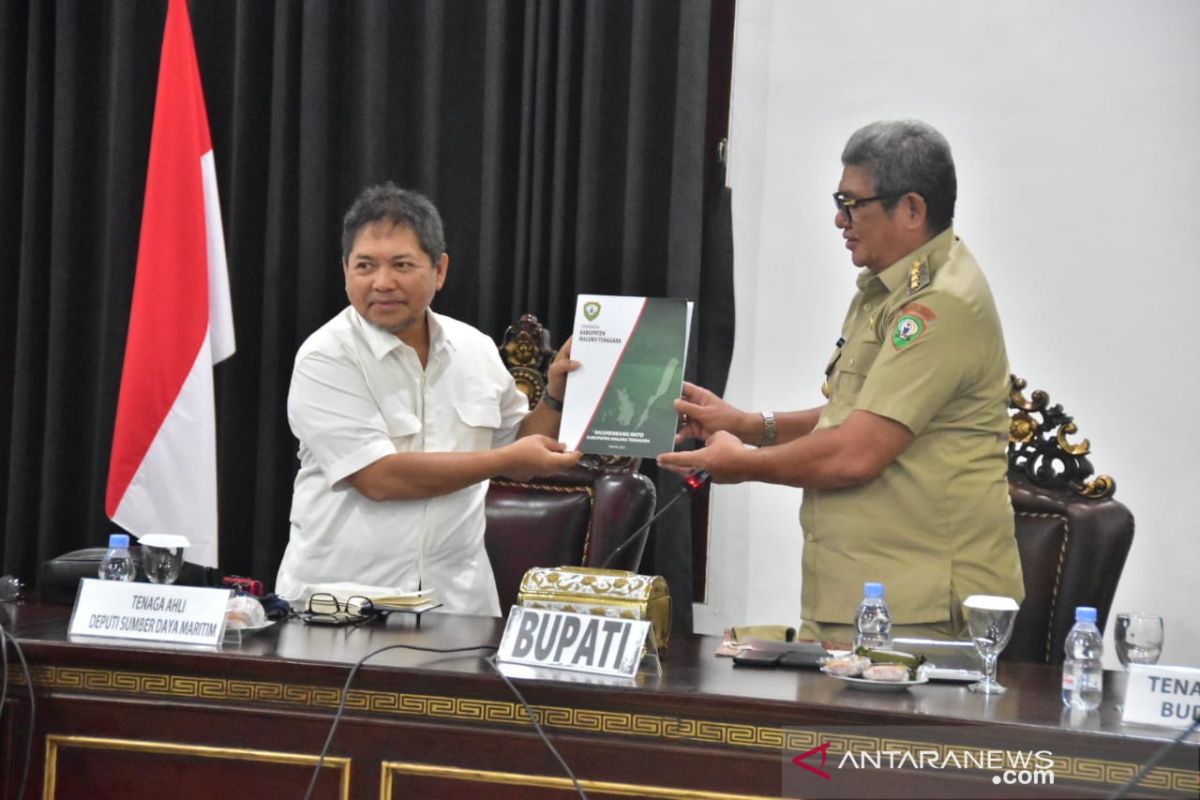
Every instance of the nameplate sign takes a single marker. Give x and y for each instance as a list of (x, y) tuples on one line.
[(1157, 695), (578, 642), (149, 612)]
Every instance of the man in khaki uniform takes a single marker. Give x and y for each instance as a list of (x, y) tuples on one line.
[(904, 469)]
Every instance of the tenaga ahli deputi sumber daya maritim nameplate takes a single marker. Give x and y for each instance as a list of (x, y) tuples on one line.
[(150, 612)]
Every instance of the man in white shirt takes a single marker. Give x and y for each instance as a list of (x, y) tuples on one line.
[(402, 416)]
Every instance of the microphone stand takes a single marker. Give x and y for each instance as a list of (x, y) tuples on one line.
[(694, 481)]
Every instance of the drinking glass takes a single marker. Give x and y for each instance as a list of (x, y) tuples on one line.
[(990, 622), (162, 556), (1139, 638)]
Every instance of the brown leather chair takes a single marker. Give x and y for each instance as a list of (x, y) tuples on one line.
[(1072, 535), (574, 518)]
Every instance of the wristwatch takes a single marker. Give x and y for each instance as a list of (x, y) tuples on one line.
[(769, 430), (551, 402)]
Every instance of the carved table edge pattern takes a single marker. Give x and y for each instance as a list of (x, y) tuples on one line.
[(562, 718)]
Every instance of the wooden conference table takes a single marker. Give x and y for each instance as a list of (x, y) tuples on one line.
[(248, 721)]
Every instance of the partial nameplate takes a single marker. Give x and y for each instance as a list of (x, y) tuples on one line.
[(577, 642), (1157, 695), (150, 612)]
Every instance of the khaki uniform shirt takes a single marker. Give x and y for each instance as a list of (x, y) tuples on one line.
[(922, 346)]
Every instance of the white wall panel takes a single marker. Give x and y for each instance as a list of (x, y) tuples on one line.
[(1076, 130)]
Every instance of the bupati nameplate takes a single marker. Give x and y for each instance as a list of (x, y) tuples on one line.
[(579, 642), (149, 612), (605, 592)]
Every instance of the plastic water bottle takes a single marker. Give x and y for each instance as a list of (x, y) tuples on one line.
[(873, 620), (1083, 675), (117, 564)]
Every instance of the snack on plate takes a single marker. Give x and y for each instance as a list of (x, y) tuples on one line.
[(244, 611), (847, 666), (907, 660), (892, 673)]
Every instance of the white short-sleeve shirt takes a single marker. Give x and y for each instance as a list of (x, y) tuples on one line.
[(358, 394)]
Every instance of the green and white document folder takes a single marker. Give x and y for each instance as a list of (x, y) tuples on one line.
[(620, 402)]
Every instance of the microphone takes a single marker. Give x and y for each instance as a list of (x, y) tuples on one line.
[(694, 481)]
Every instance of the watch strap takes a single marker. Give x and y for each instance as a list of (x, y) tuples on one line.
[(769, 432)]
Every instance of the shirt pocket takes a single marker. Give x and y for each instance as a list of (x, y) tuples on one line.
[(857, 358), (478, 414), (476, 418), (401, 423)]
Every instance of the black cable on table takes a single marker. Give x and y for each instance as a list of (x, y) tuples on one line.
[(1153, 762), (4, 669), (490, 661), (537, 727), (5, 635), (346, 693)]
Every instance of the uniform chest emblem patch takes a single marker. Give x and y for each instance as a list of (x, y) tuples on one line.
[(908, 328)]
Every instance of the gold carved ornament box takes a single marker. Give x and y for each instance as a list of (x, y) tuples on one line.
[(603, 592)]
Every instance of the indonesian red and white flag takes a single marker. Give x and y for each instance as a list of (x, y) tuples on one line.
[(163, 474)]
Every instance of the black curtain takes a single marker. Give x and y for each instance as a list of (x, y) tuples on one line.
[(564, 143)]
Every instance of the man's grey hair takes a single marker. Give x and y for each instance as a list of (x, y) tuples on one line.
[(907, 156), (389, 203)]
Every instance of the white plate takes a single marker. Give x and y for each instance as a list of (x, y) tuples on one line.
[(879, 686)]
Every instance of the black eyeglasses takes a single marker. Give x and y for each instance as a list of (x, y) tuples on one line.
[(326, 609), (845, 203)]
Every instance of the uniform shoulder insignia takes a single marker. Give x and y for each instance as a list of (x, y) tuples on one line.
[(908, 329), (918, 275), (914, 318)]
